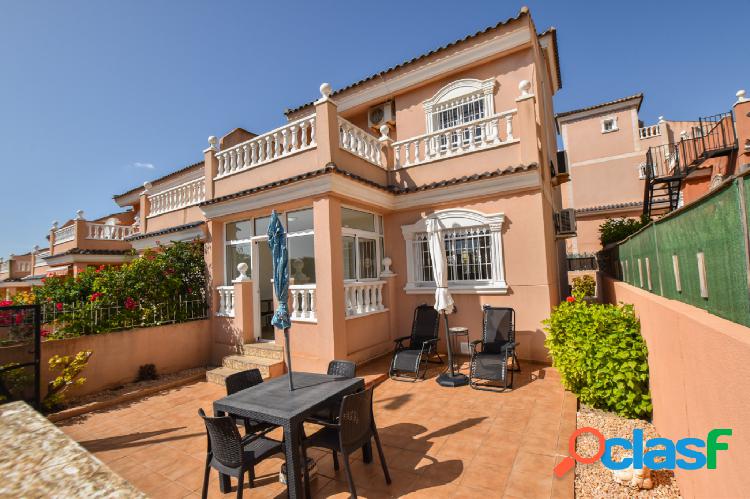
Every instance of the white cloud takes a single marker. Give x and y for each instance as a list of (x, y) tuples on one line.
[(147, 166)]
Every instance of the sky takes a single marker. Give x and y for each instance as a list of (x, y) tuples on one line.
[(98, 97)]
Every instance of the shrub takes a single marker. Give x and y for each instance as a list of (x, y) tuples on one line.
[(69, 369), (147, 372), (151, 288), (601, 355), (584, 286), (617, 229)]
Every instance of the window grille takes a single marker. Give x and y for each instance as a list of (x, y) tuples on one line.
[(468, 251), (457, 113)]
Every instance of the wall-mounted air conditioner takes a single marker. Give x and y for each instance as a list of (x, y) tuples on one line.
[(565, 223)]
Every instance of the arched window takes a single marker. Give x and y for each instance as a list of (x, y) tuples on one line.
[(473, 247)]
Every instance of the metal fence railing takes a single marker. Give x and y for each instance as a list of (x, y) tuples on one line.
[(697, 254), (82, 318), (581, 262)]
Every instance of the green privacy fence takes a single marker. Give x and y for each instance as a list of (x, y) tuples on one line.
[(697, 255)]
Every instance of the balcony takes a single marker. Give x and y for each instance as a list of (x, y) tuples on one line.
[(323, 138), (176, 198), (477, 135), (650, 131)]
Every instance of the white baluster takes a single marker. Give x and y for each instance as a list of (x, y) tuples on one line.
[(312, 131), (269, 151), (313, 315), (509, 127), (295, 143), (397, 155), (284, 141)]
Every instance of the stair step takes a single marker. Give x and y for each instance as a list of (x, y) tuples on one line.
[(267, 367), (265, 350), (218, 375)]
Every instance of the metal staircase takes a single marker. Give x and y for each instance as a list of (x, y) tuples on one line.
[(667, 165)]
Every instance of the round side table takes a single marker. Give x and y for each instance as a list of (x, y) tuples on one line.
[(455, 334)]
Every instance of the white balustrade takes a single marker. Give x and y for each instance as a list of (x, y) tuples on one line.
[(358, 142), (284, 141), (178, 197), (226, 301), (649, 131), (107, 232), (484, 133), (65, 234), (361, 298), (40, 259), (302, 297), (4, 267)]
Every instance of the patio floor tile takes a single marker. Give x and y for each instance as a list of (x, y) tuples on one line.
[(438, 442)]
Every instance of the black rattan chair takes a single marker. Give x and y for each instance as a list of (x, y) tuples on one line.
[(355, 428), (241, 381), (344, 369), (231, 454), (422, 342), (489, 356)]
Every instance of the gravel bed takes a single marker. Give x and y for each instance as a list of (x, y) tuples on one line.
[(596, 481), (132, 387)]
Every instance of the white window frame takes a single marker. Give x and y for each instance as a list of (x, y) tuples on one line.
[(613, 120), (452, 95), (377, 235), (459, 219), (237, 242)]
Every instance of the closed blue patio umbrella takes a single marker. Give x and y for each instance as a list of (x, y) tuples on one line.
[(280, 256)]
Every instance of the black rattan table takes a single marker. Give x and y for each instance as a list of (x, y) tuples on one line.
[(272, 402)]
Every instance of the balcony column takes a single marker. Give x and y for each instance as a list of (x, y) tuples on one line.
[(329, 275), (742, 127), (81, 231), (526, 128), (210, 167), (52, 238), (145, 207), (243, 305), (326, 127), (390, 297), (387, 159)]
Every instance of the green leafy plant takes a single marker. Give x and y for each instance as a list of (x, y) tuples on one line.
[(165, 284), (617, 229), (147, 372), (70, 368), (601, 356), (13, 382), (584, 286)]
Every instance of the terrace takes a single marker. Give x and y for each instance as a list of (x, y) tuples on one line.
[(438, 442)]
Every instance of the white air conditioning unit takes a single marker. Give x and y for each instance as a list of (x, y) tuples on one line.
[(381, 114), (565, 223)]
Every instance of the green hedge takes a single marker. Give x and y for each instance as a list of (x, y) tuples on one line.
[(601, 355)]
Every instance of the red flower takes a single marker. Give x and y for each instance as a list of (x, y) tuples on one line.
[(59, 306), (19, 318), (169, 271), (95, 296), (102, 267), (130, 304), (570, 299), (44, 279), (45, 333), (6, 303)]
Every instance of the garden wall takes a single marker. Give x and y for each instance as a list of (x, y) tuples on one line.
[(699, 366), (117, 356)]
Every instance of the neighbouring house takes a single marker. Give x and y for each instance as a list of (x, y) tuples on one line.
[(79, 243), (620, 168), (610, 156), (13, 270), (463, 135)]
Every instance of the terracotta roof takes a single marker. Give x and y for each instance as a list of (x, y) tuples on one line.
[(553, 31), (333, 169), (79, 251), (607, 207), (165, 177), (638, 96), (168, 230), (523, 12)]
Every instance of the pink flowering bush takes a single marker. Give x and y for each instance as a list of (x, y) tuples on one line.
[(107, 298)]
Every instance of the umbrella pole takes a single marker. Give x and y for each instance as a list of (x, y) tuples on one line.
[(288, 357), (448, 344), (451, 378)]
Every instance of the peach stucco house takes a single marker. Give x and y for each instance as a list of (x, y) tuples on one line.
[(464, 134), (611, 157)]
